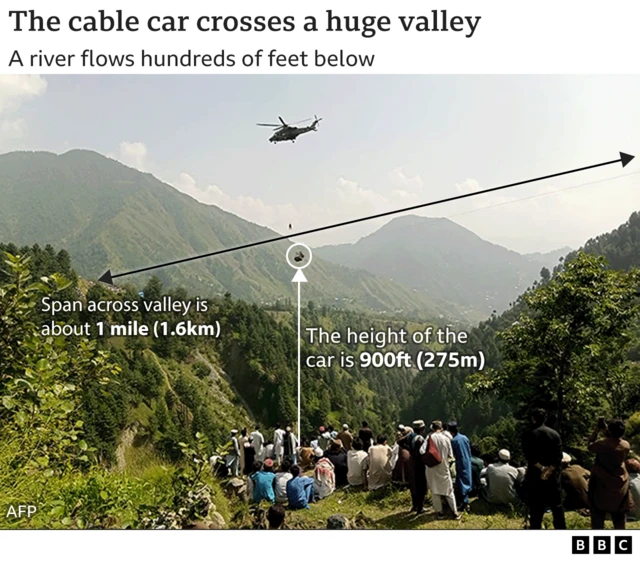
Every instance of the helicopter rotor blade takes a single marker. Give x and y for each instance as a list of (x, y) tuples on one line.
[(282, 121), (302, 121), (268, 124)]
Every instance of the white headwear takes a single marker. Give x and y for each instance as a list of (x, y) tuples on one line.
[(566, 458), (234, 431), (345, 426), (504, 455)]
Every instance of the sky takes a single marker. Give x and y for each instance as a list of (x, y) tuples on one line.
[(385, 142)]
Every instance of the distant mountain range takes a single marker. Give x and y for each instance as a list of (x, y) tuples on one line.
[(110, 216), (440, 258)]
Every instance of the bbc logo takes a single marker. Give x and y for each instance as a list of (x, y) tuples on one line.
[(601, 545)]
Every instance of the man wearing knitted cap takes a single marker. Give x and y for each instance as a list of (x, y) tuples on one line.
[(501, 481)]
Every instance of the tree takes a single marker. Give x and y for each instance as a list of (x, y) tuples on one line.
[(41, 382), (568, 351)]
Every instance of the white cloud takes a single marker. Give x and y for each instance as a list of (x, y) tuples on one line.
[(15, 91), (468, 186), (403, 183), (11, 129), (134, 154)]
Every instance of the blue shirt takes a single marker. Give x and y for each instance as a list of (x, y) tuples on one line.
[(297, 492), (263, 486)]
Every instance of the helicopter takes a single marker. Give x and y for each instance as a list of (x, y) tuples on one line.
[(288, 132)]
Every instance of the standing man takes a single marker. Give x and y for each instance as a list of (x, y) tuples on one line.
[(366, 436), (278, 444), (233, 458), (289, 445), (464, 472), (417, 478), (542, 447), (324, 438), (439, 476), (242, 440), (257, 440), (346, 437), (609, 481)]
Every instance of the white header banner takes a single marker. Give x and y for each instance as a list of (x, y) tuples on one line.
[(287, 37)]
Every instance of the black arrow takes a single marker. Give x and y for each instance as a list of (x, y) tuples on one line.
[(107, 277)]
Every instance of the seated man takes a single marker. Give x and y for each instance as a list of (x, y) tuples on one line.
[(281, 479), (299, 489), (355, 463), (575, 483), (477, 466), (338, 457), (263, 483), (633, 467), (324, 478), (378, 464), (501, 481), (275, 517)]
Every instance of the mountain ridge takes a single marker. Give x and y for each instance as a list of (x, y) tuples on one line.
[(441, 258), (111, 216)]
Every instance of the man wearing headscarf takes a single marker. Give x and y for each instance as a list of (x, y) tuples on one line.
[(464, 475)]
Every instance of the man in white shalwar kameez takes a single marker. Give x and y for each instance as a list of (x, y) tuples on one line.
[(439, 477), (257, 441), (278, 444)]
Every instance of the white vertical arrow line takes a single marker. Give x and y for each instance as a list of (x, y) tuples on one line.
[(299, 277)]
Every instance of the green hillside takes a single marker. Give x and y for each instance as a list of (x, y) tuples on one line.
[(444, 260), (109, 216)]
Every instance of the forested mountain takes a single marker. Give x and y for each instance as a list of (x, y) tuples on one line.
[(109, 216), (171, 387), (621, 247), (442, 259), (550, 258), (443, 389)]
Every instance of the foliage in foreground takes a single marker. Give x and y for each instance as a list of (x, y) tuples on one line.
[(44, 459), (568, 351)]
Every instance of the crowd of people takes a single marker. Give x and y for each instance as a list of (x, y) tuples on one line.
[(441, 460)]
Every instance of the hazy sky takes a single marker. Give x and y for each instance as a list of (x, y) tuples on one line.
[(385, 142)]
